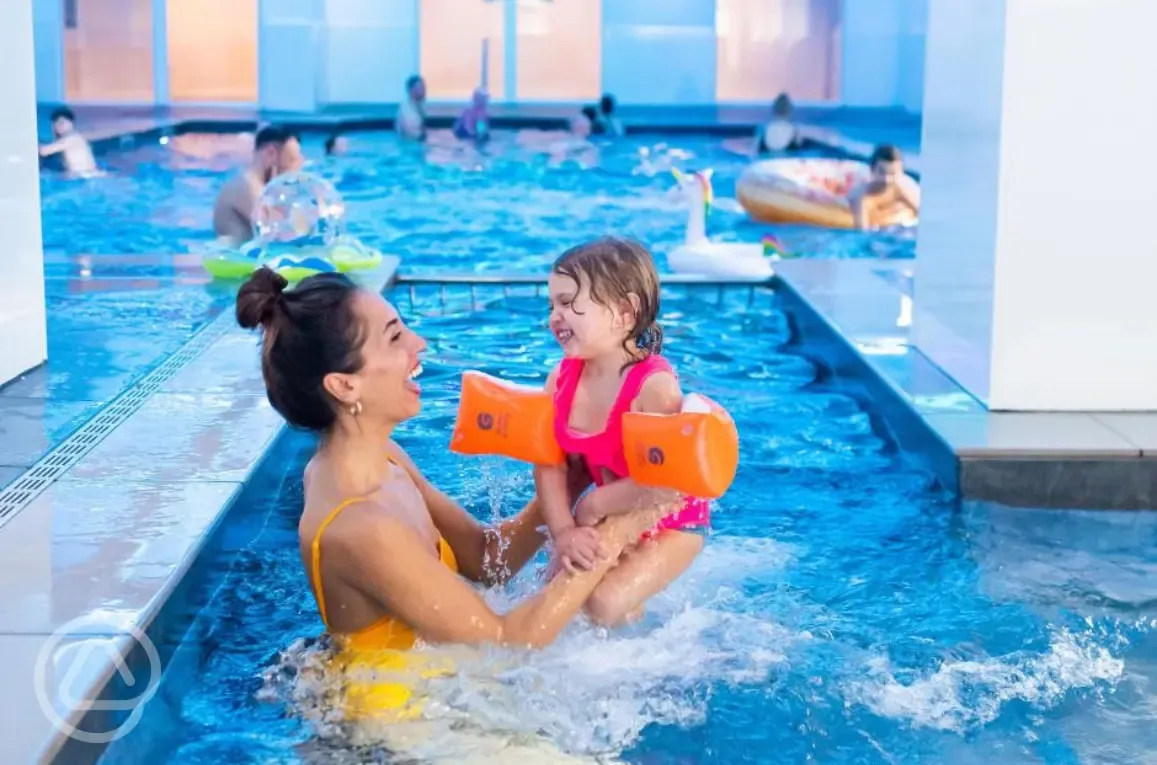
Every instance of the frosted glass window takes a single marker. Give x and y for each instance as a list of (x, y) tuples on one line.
[(452, 37), (213, 50), (108, 50), (559, 50), (766, 47)]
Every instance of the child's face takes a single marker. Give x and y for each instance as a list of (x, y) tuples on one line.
[(583, 328), (61, 126), (887, 173)]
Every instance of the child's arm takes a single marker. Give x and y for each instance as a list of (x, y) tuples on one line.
[(552, 486), (660, 394)]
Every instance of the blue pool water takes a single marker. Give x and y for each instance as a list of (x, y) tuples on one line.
[(844, 611), (512, 209)]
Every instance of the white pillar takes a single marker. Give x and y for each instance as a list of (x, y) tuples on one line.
[(23, 337), (48, 26), (288, 54), (659, 51), (1037, 262), (371, 47)]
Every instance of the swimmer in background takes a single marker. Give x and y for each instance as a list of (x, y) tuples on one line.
[(73, 148), (336, 144), (604, 304), (779, 134), (604, 121), (474, 121), (233, 210), (888, 195), (411, 119), (292, 156)]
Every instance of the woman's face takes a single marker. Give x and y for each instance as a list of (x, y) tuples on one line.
[(386, 384)]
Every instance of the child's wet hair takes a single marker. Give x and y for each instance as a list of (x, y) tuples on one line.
[(614, 269)]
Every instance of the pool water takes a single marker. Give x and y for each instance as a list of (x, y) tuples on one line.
[(512, 208), (843, 611)]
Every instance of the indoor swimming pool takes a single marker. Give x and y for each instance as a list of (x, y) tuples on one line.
[(513, 207), (844, 611)]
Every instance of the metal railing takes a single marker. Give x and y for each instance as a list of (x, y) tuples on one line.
[(473, 284)]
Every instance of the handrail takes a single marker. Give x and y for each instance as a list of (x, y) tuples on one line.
[(512, 279)]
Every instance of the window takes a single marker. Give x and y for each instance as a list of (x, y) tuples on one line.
[(108, 51), (559, 50), (212, 50), (454, 38), (766, 47)]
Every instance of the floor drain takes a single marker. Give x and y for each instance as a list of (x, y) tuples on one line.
[(21, 492)]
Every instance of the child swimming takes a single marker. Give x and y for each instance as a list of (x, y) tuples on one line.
[(604, 305)]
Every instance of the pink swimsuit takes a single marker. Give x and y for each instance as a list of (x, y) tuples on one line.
[(605, 449)]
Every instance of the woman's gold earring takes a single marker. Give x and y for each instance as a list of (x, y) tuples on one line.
[(356, 409)]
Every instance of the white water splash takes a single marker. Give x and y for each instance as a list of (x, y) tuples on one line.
[(961, 695)]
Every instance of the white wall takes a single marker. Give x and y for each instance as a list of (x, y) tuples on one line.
[(1036, 255), (22, 329), (659, 51), (371, 48), (882, 60), (48, 26), (289, 54)]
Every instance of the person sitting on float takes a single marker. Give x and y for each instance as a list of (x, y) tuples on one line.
[(887, 194)]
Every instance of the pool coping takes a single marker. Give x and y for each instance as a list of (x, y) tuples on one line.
[(815, 135), (95, 697), (1048, 460)]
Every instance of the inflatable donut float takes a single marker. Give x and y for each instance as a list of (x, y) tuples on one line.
[(810, 192)]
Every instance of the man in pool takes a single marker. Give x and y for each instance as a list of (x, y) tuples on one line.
[(275, 151), (73, 148), (888, 196)]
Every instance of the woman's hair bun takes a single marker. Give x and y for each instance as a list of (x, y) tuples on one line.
[(259, 299)]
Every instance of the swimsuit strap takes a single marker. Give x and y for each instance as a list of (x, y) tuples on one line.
[(633, 385), (315, 550)]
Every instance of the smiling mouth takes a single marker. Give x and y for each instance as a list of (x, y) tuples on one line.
[(415, 372), (564, 335)]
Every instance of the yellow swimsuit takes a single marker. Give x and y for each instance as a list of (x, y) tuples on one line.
[(381, 674)]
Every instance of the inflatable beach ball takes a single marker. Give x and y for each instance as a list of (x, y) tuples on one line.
[(299, 208)]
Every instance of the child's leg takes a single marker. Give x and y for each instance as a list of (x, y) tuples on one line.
[(644, 572)]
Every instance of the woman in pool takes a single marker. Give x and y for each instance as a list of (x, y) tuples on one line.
[(388, 555)]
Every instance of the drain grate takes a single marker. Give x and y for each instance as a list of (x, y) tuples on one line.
[(21, 492)]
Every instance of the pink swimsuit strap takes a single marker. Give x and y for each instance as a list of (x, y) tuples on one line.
[(605, 448)]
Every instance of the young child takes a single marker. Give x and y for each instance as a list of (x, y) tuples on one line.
[(604, 302), (74, 149)]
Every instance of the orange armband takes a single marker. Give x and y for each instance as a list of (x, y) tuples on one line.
[(695, 452), (507, 419)]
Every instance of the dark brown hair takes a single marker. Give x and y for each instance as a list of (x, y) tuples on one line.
[(782, 106), (307, 333), (614, 269), (885, 152)]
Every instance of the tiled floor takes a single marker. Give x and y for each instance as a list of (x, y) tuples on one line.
[(97, 554), (99, 343), (1081, 459)]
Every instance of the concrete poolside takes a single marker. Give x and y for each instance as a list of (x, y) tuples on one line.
[(92, 553), (1047, 459)]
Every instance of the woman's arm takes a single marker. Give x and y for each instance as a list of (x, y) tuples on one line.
[(660, 394), (390, 565), (489, 555)]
